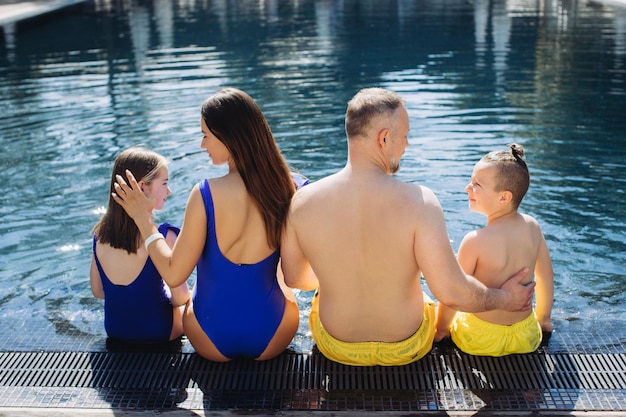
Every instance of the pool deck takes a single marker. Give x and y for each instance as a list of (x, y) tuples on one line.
[(185, 413), (15, 11), (564, 377)]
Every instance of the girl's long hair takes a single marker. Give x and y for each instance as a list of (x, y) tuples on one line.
[(115, 227), (237, 121)]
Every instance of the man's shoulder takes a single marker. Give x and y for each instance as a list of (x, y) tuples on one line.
[(306, 195), (419, 194), (314, 189), (414, 186)]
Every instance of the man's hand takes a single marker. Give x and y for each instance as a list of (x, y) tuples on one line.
[(519, 296)]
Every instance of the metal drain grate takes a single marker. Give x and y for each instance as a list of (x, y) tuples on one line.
[(442, 380)]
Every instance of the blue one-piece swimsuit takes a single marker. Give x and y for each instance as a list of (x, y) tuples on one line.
[(139, 312), (239, 307)]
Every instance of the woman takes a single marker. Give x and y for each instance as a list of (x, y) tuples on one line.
[(138, 307), (232, 229)]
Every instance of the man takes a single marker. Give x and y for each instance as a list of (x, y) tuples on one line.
[(363, 238)]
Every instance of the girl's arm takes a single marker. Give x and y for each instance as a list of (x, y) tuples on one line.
[(94, 279)]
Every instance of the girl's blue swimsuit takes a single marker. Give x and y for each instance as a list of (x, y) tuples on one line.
[(139, 312), (239, 307)]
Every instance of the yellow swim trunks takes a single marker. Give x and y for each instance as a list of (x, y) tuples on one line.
[(478, 337), (375, 353)]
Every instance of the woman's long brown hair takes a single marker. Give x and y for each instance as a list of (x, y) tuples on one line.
[(237, 121)]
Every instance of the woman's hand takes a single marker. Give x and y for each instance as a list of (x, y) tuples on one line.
[(131, 198)]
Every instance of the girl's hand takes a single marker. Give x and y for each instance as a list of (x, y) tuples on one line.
[(131, 198)]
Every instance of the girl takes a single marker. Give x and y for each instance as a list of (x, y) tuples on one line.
[(138, 306)]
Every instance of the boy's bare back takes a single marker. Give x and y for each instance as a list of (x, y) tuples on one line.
[(499, 250)]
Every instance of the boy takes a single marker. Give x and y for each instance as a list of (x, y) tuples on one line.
[(510, 241)]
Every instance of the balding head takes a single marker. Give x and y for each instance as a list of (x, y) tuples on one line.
[(368, 106)]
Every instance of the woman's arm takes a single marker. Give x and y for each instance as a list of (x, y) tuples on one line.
[(180, 295), (174, 264)]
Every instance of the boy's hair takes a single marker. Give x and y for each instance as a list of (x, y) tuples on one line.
[(116, 227), (513, 172), (238, 122)]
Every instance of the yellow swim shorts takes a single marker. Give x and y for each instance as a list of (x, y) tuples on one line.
[(478, 337), (375, 353)]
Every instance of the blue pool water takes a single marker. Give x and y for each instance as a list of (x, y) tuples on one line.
[(78, 87)]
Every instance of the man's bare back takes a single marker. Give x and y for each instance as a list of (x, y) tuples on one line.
[(359, 232)]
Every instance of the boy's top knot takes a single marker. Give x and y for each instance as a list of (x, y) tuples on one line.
[(517, 151)]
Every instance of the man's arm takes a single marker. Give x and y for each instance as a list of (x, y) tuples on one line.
[(466, 258), (445, 278), (445, 315), (295, 266)]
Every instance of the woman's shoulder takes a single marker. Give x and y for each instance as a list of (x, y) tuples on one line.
[(230, 187)]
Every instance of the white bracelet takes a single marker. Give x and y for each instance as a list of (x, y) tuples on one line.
[(152, 238)]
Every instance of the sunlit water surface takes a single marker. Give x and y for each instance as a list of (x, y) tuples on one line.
[(81, 86)]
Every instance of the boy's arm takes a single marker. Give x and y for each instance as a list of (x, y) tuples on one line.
[(467, 259), (544, 291), (445, 315)]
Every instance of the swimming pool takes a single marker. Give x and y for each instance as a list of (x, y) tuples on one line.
[(80, 86)]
